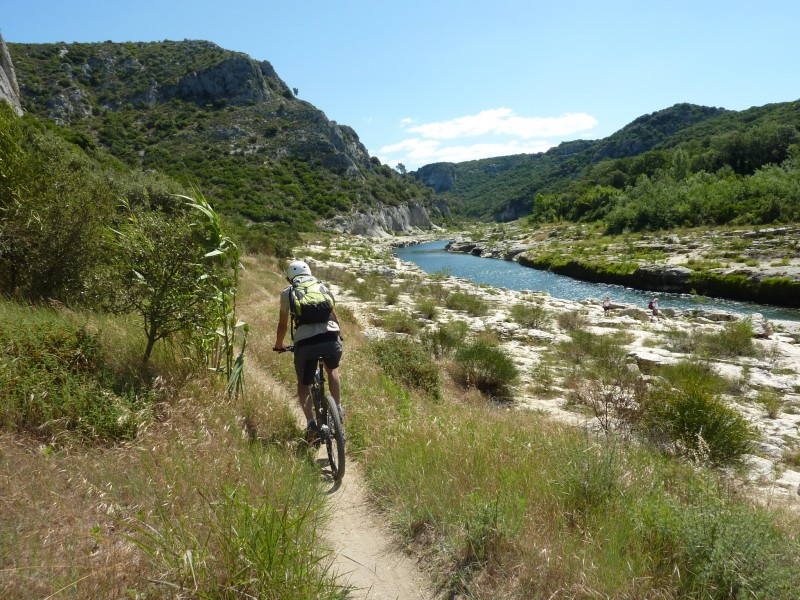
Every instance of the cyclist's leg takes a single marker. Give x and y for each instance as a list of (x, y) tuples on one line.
[(304, 395), (333, 357), (305, 363), (334, 385)]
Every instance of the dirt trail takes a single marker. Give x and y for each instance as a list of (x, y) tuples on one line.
[(365, 555)]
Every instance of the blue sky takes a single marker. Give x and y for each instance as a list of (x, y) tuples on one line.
[(453, 80)]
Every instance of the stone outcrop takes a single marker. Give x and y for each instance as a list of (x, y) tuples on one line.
[(383, 222), (9, 89), (239, 80), (439, 176)]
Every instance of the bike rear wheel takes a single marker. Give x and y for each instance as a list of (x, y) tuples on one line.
[(334, 437)]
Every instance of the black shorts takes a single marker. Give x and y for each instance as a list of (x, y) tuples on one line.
[(306, 352)]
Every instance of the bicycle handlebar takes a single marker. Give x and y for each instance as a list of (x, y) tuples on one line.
[(285, 349)]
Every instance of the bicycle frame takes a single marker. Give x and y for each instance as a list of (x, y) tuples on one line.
[(329, 424)]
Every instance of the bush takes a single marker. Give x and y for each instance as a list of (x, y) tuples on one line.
[(468, 303), (534, 316), (735, 339), (398, 321), (446, 338), (685, 407), (487, 367), (572, 320), (409, 363), (428, 308), (392, 296)]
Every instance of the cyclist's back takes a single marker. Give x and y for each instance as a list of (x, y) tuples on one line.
[(314, 329)]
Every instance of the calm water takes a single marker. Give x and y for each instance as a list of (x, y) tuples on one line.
[(432, 257)]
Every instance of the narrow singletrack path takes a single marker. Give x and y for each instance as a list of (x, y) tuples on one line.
[(364, 554)]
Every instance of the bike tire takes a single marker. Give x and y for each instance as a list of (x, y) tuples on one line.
[(334, 441)]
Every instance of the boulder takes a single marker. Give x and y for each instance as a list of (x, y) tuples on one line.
[(761, 327)]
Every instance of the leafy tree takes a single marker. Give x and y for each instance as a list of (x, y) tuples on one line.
[(162, 274)]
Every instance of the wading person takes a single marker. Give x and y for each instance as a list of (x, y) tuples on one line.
[(653, 306), (308, 307)]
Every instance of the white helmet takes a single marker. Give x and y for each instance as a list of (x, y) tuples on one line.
[(296, 268)]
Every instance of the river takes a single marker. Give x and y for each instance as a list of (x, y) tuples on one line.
[(432, 258)]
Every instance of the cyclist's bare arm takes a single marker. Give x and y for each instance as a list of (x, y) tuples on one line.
[(280, 334)]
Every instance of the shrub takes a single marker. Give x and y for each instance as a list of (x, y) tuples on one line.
[(771, 401), (534, 316), (446, 338), (486, 367), (392, 296), (572, 320), (399, 321), (409, 363), (685, 407), (468, 303), (428, 308), (735, 339)]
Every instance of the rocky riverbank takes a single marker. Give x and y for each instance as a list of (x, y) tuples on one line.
[(545, 384), (754, 265)]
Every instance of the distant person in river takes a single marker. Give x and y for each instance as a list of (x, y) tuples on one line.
[(653, 306), (606, 305)]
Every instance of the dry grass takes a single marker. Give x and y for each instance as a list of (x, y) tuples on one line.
[(74, 520)]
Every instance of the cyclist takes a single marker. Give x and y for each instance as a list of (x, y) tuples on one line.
[(311, 341)]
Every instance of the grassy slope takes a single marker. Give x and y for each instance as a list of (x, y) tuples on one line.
[(502, 504)]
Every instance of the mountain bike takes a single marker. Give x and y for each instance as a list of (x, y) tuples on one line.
[(330, 430)]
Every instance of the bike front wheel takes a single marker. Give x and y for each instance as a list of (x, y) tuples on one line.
[(334, 437)]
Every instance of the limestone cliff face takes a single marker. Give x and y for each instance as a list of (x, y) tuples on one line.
[(404, 218), (9, 90), (439, 176), (238, 79)]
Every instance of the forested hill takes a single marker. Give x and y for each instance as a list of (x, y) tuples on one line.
[(585, 180), (210, 118)]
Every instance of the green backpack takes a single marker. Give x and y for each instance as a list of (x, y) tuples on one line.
[(310, 302)]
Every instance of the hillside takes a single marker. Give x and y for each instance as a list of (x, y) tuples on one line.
[(506, 188), (210, 118)]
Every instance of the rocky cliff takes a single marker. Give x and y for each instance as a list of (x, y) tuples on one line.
[(383, 222), (218, 118), (9, 90)]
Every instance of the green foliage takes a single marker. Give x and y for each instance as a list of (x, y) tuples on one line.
[(722, 550), (572, 320), (54, 380), (275, 161), (487, 367), (428, 307), (443, 340), (399, 321), (409, 363), (53, 204), (532, 315), (469, 303), (686, 409), (274, 552)]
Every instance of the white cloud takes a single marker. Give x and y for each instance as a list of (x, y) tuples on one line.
[(415, 152), (491, 132), (503, 121)]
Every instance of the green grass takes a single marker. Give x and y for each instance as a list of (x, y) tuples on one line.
[(55, 380), (468, 303), (687, 412)]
